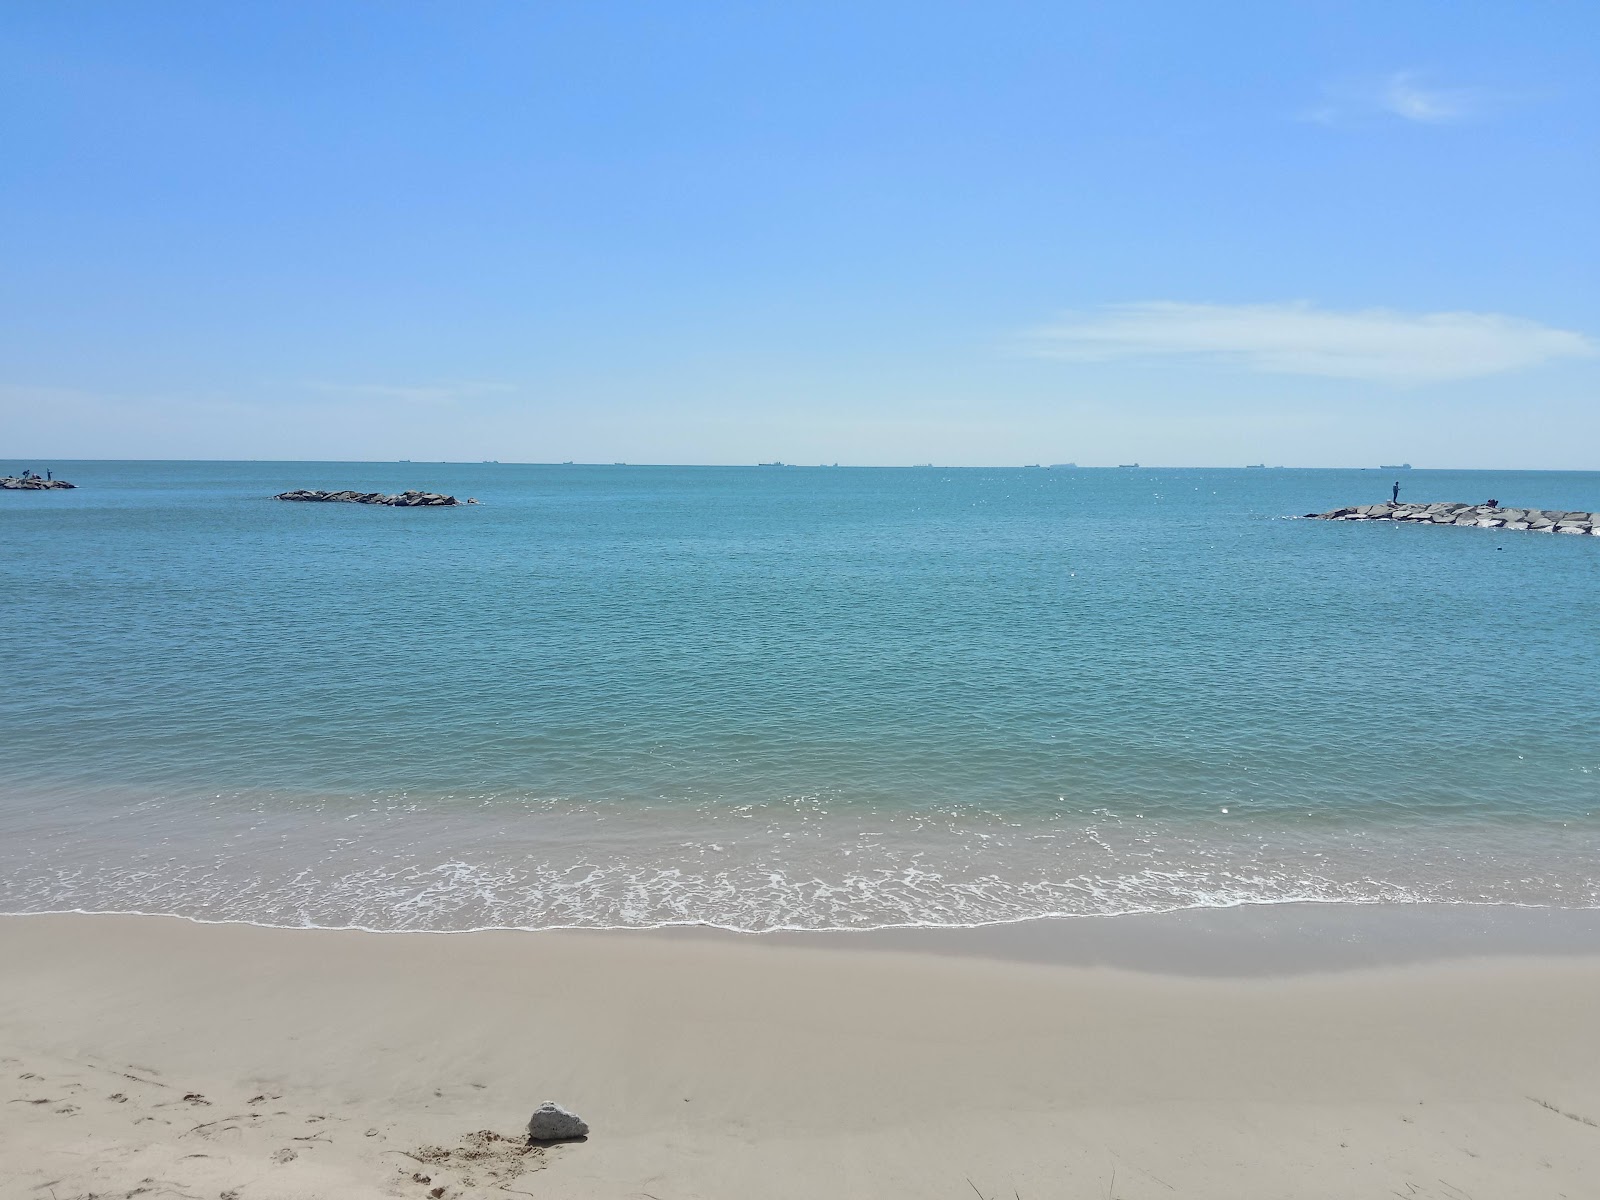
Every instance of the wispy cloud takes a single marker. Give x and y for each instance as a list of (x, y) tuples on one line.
[(433, 393), (1407, 95), (1301, 339)]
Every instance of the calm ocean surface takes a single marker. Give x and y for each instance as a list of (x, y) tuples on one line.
[(787, 697)]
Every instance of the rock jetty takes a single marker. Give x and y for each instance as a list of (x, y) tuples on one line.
[(402, 500), (1480, 516), (32, 483)]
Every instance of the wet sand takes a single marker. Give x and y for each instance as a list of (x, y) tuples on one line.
[(152, 1056)]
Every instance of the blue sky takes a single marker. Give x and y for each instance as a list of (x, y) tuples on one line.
[(1315, 234)]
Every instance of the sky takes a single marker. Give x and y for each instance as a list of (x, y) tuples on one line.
[(1313, 234)]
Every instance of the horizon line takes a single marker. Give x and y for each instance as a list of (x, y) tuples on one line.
[(776, 464)]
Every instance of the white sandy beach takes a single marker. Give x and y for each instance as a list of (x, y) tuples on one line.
[(156, 1057)]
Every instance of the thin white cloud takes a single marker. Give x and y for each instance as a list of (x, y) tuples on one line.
[(437, 393), (1301, 339), (1405, 95), (1408, 95)]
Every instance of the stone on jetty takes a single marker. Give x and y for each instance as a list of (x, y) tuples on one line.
[(402, 500), (32, 483), (552, 1123), (1477, 516)]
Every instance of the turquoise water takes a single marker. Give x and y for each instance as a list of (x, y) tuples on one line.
[(787, 697)]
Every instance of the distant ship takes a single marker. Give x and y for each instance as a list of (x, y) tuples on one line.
[(1255, 466), (1127, 466), (771, 464), (1030, 466), (1394, 466)]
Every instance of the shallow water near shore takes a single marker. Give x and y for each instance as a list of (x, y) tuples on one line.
[(797, 698)]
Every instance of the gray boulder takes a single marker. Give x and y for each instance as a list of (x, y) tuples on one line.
[(552, 1123)]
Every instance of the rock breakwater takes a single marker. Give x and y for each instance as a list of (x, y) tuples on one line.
[(1480, 516), (32, 483), (400, 500)]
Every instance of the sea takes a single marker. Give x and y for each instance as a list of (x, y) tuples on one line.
[(774, 697)]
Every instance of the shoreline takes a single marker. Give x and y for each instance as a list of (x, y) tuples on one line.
[(234, 1060), (1242, 941), (1270, 938)]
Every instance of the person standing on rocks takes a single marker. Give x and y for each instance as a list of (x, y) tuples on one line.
[(1395, 496)]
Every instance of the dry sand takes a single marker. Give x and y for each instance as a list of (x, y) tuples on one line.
[(155, 1057)]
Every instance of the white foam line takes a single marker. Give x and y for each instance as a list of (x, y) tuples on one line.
[(998, 921)]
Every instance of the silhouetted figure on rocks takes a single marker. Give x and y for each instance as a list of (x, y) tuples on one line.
[(1395, 496)]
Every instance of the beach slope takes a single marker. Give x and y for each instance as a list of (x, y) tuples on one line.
[(156, 1057)]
